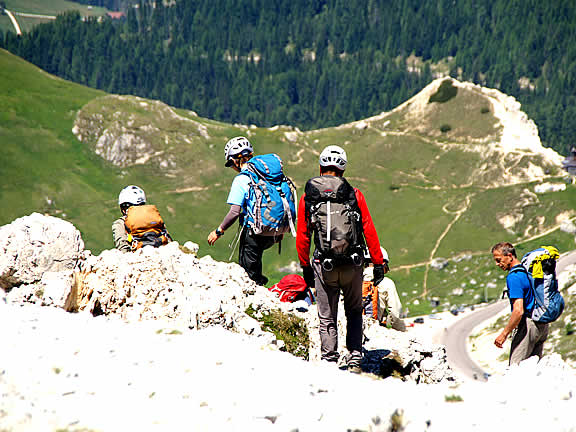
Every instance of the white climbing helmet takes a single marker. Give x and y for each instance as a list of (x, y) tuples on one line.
[(334, 156), (236, 146), (132, 195)]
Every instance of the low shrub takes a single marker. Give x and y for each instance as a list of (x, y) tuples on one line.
[(453, 398), (288, 328), (445, 92)]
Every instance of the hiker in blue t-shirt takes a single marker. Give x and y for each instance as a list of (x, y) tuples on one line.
[(528, 340), (238, 152)]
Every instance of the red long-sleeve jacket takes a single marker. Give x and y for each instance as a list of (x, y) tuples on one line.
[(304, 235)]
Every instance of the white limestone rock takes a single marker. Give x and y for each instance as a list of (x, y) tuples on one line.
[(33, 245), (439, 263), (52, 290), (192, 247)]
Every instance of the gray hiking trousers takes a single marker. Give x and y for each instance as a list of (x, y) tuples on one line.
[(528, 340), (347, 278)]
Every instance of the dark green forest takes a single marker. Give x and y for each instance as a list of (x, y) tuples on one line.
[(113, 5), (317, 63)]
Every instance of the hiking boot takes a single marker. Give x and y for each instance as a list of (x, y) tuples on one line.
[(351, 363), (354, 369)]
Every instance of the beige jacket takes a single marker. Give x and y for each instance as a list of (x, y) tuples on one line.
[(120, 235)]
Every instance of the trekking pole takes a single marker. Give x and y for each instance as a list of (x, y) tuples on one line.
[(234, 243)]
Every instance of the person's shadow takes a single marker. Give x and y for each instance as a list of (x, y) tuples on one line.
[(381, 362)]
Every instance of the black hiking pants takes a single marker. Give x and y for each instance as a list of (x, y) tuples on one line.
[(252, 247)]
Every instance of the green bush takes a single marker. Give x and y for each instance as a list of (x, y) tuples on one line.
[(453, 398), (484, 110), (288, 328), (445, 92), (445, 128)]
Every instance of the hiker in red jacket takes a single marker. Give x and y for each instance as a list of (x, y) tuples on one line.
[(336, 215)]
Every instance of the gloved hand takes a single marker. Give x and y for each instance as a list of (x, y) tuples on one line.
[(308, 273), (378, 274)]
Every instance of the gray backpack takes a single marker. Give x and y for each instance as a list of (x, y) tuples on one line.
[(335, 219)]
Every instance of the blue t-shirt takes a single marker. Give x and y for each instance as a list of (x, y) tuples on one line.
[(239, 191), (519, 287)]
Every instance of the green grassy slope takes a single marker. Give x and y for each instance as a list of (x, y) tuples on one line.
[(42, 7), (425, 189)]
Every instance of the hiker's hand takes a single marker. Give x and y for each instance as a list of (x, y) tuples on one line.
[(212, 237), (378, 274), (308, 273), (500, 340)]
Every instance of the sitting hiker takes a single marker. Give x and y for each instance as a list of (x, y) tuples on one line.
[(140, 224), (382, 302)]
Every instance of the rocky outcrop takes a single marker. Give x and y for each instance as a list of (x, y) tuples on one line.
[(168, 285), (491, 127), (128, 131), (34, 246), (171, 284)]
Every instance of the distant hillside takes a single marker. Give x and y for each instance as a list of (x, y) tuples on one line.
[(30, 13), (315, 63), (446, 174)]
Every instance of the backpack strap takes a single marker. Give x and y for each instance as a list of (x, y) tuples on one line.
[(519, 268), (287, 205), (516, 269), (253, 185), (522, 269)]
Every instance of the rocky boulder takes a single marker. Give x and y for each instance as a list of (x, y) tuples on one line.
[(167, 284), (34, 245)]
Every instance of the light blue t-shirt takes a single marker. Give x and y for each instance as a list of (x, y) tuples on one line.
[(239, 191), (519, 287)]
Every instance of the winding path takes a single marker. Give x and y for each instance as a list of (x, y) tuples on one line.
[(14, 22), (455, 337)]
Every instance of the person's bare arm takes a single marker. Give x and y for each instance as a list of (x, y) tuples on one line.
[(515, 317)]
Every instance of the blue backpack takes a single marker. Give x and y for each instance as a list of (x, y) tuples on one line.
[(540, 267), (271, 200)]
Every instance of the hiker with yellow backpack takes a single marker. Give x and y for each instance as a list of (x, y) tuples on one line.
[(140, 224), (535, 301)]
